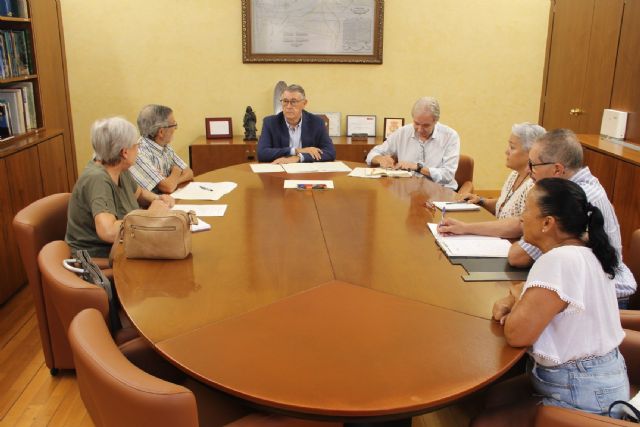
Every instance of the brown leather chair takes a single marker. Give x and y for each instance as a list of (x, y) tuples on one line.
[(464, 174), (116, 392), (65, 295), (41, 222), (631, 318), (560, 417)]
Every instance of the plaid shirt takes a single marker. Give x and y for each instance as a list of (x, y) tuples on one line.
[(154, 163)]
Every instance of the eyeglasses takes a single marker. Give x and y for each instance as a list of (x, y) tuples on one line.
[(293, 102), (175, 125), (532, 165)]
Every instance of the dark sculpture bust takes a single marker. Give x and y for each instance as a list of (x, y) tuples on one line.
[(249, 124)]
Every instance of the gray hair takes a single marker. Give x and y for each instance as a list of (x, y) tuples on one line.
[(561, 146), (527, 133), (110, 136), (296, 88), (426, 104), (152, 118)]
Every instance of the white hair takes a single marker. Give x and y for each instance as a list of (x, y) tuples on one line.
[(527, 133), (110, 136), (426, 104)]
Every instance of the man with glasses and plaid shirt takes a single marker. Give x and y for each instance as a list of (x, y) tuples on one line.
[(294, 135), (158, 168)]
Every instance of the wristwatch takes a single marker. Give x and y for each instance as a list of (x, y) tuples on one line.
[(419, 167)]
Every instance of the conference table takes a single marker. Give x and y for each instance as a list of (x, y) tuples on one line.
[(331, 304)]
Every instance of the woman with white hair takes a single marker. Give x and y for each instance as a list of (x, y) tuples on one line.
[(518, 183), (106, 191)]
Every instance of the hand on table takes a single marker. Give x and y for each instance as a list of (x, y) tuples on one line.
[(502, 308), (384, 161), (408, 166), (468, 197), (315, 152), (452, 226), (170, 201), (287, 159)]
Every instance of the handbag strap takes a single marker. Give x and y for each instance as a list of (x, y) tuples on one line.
[(67, 263), (628, 408)]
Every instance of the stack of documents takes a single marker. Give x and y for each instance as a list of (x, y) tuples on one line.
[(380, 172), (204, 190), (300, 167), (266, 168), (469, 245), (203, 210), (456, 206)]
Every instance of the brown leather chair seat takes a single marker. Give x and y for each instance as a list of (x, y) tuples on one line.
[(464, 174), (65, 295), (548, 416), (631, 318), (117, 393)]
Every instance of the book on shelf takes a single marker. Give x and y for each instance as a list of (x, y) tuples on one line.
[(5, 126), (14, 8), (16, 54), (28, 99), (13, 98)]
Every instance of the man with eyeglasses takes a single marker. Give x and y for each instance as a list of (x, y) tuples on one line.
[(294, 135), (425, 147), (158, 168), (558, 153)]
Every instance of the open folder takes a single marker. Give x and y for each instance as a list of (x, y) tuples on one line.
[(469, 245)]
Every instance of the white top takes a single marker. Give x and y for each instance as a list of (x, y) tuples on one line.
[(511, 202), (590, 325), (440, 153), (624, 281)]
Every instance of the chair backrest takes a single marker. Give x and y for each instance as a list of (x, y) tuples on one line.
[(41, 222), (633, 262), (114, 390), (464, 173), (65, 295)]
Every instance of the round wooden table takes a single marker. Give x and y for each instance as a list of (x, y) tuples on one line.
[(322, 303)]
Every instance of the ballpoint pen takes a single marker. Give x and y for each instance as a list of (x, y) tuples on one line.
[(444, 212), (205, 188)]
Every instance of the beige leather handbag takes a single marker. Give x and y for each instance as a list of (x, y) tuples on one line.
[(153, 235)]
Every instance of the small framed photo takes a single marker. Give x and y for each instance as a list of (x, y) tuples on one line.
[(218, 127), (391, 124), (334, 123), (361, 125)]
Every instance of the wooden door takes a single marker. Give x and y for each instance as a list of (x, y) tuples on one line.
[(626, 83), (53, 166), (580, 64), (627, 201)]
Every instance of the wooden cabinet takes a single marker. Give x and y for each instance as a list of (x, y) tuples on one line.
[(591, 64), (206, 155), (618, 169)]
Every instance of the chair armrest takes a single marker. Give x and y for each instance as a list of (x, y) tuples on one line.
[(551, 416), (630, 349), (466, 187), (630, 319)]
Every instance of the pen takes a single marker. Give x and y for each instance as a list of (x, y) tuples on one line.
[(444, 212), (205, 188)]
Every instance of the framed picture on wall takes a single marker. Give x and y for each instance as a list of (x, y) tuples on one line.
[(361, 125), (338, 32), (218, 127), (334, 123), (391, 124)]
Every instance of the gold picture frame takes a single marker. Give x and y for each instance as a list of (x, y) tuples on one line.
[(286, 34)]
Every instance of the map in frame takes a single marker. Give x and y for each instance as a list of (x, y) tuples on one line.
[(312, 31)]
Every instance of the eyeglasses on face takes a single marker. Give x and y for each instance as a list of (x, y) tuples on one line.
[(533, 165), (175, 125), (292, 102)]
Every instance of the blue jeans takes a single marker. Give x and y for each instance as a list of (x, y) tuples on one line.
[(590, 385), (623, 303)]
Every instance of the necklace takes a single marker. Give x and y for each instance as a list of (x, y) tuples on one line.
[(512, 190)]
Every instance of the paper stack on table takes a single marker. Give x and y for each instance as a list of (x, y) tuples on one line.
[(204, 190), (203, 210), (456, 206), (200, 226), (469, 245), (266, 168), (379, 173)]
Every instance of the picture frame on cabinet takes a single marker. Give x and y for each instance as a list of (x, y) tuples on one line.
[(218, 127)]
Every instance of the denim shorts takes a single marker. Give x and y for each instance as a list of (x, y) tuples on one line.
[(590, 384)]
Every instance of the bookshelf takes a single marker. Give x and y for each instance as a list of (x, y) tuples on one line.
[(40, 160)]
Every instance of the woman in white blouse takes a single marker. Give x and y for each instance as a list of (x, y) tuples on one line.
[(518, 183), (566, 314)]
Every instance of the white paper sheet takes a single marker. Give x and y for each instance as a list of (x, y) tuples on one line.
[(455, 206), (200, 226), (379, 173), (204, 190), (468, 245), (203, 210), (293, 183), (266, 168), (316, 167)]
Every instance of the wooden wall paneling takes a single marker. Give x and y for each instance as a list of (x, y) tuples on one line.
[(602, 167), (51, 64), (12, 276), (567, 62), (53, 166), (596, 95), (626, 83), (204, 158), (352, 152), (26, 184), (627, 200)]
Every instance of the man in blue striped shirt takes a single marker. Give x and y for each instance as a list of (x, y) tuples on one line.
[(558, 153), (158, 168)]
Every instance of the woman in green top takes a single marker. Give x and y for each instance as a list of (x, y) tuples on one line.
[(105, 191)]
